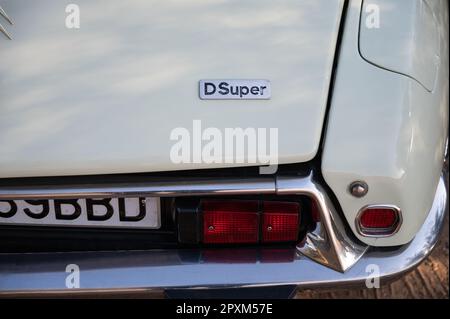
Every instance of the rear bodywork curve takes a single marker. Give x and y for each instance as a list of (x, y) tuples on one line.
[(387, 129)]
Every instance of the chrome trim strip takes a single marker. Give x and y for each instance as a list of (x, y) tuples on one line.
[(8, 19), (154, 293), (380, 233), (159, 188), (4, 15), (155, 269), (3, 30), (329, 244), (446, 154)]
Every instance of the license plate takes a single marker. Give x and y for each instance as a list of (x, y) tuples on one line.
[(86, 212)]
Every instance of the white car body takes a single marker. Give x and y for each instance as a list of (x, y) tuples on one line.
[(364, 100), (396, 137)]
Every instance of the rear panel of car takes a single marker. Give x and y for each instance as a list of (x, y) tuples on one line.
[(105, 97)]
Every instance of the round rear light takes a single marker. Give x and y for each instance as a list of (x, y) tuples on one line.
[(378, 220)]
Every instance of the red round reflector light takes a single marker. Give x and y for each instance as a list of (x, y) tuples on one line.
[(379, 220)]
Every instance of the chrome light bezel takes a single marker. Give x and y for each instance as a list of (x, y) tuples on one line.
[(380, 232)]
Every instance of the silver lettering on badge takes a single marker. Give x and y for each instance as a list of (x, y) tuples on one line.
[(234, 90)]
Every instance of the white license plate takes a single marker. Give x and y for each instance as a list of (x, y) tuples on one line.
[(94, 212)]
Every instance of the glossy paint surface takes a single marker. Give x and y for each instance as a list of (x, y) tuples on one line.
[(387, 130), (105, 98), (407, 40)]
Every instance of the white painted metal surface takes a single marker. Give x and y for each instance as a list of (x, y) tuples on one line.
[(388, 130), (104, 98), (407, 40)]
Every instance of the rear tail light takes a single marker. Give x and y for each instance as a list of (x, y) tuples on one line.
[(240, 221), (230, 222), (378, 220), (280, 221)]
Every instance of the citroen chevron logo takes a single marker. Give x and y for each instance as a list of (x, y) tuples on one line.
[(2, 29)]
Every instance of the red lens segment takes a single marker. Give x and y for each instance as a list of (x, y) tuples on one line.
[(252, 221), (280, 221), (228, 222), (379, 219)]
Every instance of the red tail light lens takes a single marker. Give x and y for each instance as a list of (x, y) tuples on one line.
[(240, 221), (280, 221), (379, 220), (226, 222)]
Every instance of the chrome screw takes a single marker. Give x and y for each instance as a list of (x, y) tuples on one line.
[(358, 188), (211, 227), (269, 228)]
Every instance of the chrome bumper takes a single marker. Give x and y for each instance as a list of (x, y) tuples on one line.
[(140, 271)]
